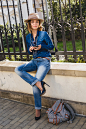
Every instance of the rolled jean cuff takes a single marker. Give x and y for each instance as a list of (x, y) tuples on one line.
[(38, 108), (34, 82)]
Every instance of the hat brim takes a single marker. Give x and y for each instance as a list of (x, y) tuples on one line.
[(27, 20)]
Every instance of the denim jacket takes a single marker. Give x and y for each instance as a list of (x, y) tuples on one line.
[(46, 44)]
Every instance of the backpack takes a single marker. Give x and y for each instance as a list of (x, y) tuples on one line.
[(60, 112)]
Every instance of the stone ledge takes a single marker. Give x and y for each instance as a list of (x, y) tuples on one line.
[(80, 108), (64, 69)]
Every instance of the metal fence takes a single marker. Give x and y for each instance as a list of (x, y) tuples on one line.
[(51, 24)]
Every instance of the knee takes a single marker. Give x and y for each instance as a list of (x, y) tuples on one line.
[(17, 70)]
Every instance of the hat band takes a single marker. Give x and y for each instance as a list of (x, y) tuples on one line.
[(33, 18)]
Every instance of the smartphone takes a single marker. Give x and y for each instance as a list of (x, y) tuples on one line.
[(36, 46)]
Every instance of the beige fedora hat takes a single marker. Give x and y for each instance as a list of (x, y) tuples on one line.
[(34, 16)]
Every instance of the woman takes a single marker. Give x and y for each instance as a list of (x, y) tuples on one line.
[(38, 44)]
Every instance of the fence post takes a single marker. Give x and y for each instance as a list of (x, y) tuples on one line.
[(82, 31), (20, 18), (48, 21), (63, 30), (54, 31), (1, 56), (0, 44), (72, 32), (5, 30), (35, 6)]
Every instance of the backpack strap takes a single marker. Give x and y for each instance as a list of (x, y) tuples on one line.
[(56, 120), (58, 107), (70, 109), (67, 116)]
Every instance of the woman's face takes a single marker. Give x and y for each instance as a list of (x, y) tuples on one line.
[(35, 24)]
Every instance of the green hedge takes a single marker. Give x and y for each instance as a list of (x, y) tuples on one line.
[(9, 36)]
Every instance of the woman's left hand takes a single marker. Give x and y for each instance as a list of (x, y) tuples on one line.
[(37, 48)]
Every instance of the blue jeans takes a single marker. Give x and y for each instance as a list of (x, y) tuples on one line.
[(42, 65)]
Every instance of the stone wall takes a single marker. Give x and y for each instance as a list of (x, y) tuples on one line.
[(67, 81)]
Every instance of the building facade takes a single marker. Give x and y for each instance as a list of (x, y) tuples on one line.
[(24, 10)]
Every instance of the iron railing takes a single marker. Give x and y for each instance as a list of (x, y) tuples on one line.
[(50, 24)]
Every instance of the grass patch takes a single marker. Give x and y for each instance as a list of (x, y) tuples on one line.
[(11, 49), (78, 44)]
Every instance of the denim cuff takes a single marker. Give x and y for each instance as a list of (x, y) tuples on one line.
[(34, 82), (38, 108)]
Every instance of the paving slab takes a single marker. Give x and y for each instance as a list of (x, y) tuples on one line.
[(17, 115)]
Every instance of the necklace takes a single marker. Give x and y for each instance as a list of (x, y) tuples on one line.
[(34, 42)]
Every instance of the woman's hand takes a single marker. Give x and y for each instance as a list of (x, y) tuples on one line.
[(31, 48), (37, 48)]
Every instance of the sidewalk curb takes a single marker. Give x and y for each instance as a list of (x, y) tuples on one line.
[(47, 102)]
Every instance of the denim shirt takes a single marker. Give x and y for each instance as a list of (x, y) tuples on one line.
[(46, 44)]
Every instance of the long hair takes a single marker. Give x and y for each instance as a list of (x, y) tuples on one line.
[(30, 28)]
